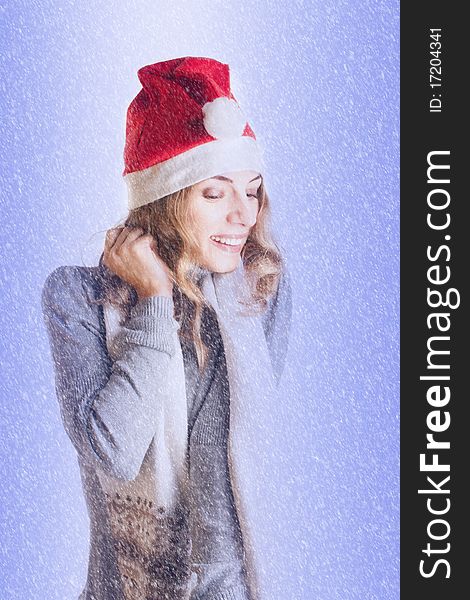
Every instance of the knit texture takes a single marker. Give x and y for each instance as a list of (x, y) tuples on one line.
[(217, 548), (108, 409)]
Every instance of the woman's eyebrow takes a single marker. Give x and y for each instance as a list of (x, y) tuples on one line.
[(222, 178)]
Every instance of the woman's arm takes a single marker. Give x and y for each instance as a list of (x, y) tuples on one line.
[(277, 324), (109, 410)]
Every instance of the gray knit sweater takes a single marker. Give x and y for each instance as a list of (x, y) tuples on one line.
[(88, 385)]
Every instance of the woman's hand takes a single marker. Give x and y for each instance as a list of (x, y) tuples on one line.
[(131, 254)]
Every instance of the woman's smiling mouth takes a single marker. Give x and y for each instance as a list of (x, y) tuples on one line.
[(228, 244)]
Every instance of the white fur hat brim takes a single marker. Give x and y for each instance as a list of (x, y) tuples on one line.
[(201, 162)]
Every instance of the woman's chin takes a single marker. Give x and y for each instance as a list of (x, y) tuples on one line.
[(223, 265)]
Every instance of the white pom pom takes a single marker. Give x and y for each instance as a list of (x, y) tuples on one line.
[(223, 118)]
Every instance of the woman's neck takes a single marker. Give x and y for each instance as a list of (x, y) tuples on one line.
[(199, 273)]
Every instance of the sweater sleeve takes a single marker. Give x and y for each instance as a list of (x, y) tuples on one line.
[(109, 408), (277, 322)]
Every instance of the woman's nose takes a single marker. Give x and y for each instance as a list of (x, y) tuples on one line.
[(243, 209)]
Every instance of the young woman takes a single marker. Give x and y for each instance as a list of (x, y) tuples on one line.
[(168, 353)]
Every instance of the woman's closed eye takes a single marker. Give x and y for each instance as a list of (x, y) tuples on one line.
[(221, 195)]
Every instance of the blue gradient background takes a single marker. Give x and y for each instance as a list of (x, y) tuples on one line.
[(319, 83)]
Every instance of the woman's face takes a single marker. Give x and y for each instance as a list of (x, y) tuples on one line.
[(223, 209)]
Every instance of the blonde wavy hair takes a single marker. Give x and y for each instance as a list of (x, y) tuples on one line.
[(168, 220)]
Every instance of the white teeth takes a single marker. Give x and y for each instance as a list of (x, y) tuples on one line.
[(228, 241)]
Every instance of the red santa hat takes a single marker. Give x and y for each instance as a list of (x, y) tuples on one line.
[(184, 126)]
